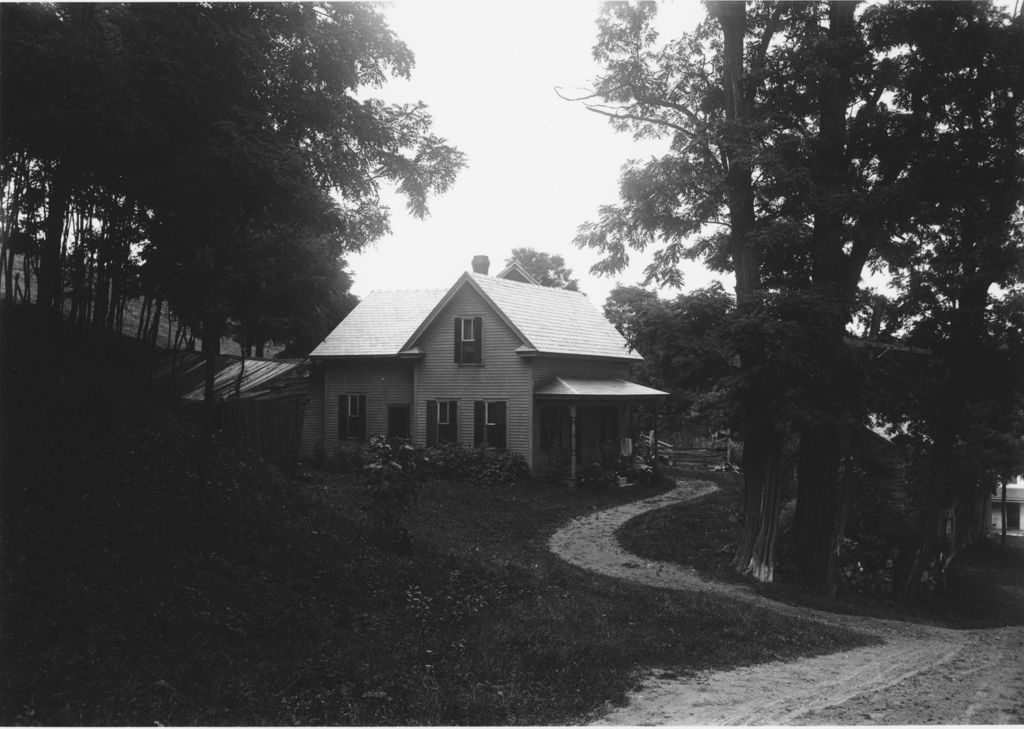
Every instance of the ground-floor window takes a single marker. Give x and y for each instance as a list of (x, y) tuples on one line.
[(490, 419), (351, 416), (442, 421), (398, 421), (1013, 517)]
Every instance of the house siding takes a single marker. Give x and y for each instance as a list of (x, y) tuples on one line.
[(313, 417), (502, 375), (383, 381)]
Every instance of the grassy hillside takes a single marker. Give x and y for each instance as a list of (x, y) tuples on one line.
[(130, 596)]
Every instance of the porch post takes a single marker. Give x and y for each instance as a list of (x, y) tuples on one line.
[(572, 442)]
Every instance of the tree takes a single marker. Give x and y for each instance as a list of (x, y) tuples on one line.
[(223, 127), (686, 347), (791, 165), (547, 268), (700, 200), (959, 65)]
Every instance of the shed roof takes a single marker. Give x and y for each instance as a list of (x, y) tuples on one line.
[(570, 387), (256, 378), (380, 324)]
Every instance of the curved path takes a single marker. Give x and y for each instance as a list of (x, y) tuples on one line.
[(917, 675)]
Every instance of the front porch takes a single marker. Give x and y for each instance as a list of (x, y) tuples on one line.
[(584, 422)]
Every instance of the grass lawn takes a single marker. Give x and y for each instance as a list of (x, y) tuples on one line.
[(985, 583), (130, 596)]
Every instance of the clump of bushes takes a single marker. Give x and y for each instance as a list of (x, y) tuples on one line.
[(595, 477), (395, 471), (484, 466), (354, 461)]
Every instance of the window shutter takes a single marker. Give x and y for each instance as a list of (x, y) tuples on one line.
[(431, 423), (453, 429), (499, 414), (478, 330), (479, 423), (359, 426), (458, 340), (343, 416)]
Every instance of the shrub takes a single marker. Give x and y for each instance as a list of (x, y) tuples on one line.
[(394, 475), (484, 466), (594, 477), (349, 461)]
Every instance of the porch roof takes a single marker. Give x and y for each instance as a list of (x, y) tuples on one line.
[(571, 388)]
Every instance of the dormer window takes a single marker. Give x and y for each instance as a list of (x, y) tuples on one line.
[(469, 342)]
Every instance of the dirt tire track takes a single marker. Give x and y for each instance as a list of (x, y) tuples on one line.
[(920, 674)]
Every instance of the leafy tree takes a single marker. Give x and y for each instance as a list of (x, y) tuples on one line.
[(210, 131), (793, 142), (686, 348), (547, 268), (962, 71)]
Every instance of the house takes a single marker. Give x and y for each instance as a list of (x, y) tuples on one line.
[(492, 361), (1014, 505)]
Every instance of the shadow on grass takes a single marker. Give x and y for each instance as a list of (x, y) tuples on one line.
[(985, 582)]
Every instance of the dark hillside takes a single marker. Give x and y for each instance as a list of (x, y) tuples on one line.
[(115, 568)]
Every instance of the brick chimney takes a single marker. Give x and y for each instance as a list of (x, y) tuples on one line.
[(481, 264)]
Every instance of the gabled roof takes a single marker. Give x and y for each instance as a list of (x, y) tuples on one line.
[(515, 272), (380, 324), (546, 320), (556, 321)]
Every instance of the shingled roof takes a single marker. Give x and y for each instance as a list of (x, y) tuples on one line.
[(380, 324), (554, 321), (547, 320)]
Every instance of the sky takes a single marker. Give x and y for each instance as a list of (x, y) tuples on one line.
[(538, 166)]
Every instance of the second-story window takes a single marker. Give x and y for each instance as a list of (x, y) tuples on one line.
[(469, 340)]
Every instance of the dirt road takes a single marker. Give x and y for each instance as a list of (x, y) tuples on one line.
[(919, 675)]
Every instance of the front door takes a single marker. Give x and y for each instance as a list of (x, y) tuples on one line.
[(398, 421)]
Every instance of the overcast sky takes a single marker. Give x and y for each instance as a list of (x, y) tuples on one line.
[(538, 166)]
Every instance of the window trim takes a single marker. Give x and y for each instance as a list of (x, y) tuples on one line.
[(482, 430), (475, 327), (346, 418)]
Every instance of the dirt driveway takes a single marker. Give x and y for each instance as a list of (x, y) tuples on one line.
[(919, 675)]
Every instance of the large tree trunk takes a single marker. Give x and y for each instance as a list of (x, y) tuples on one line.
[(820, 509), (822, 496), (762, 451), (762, 488)]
